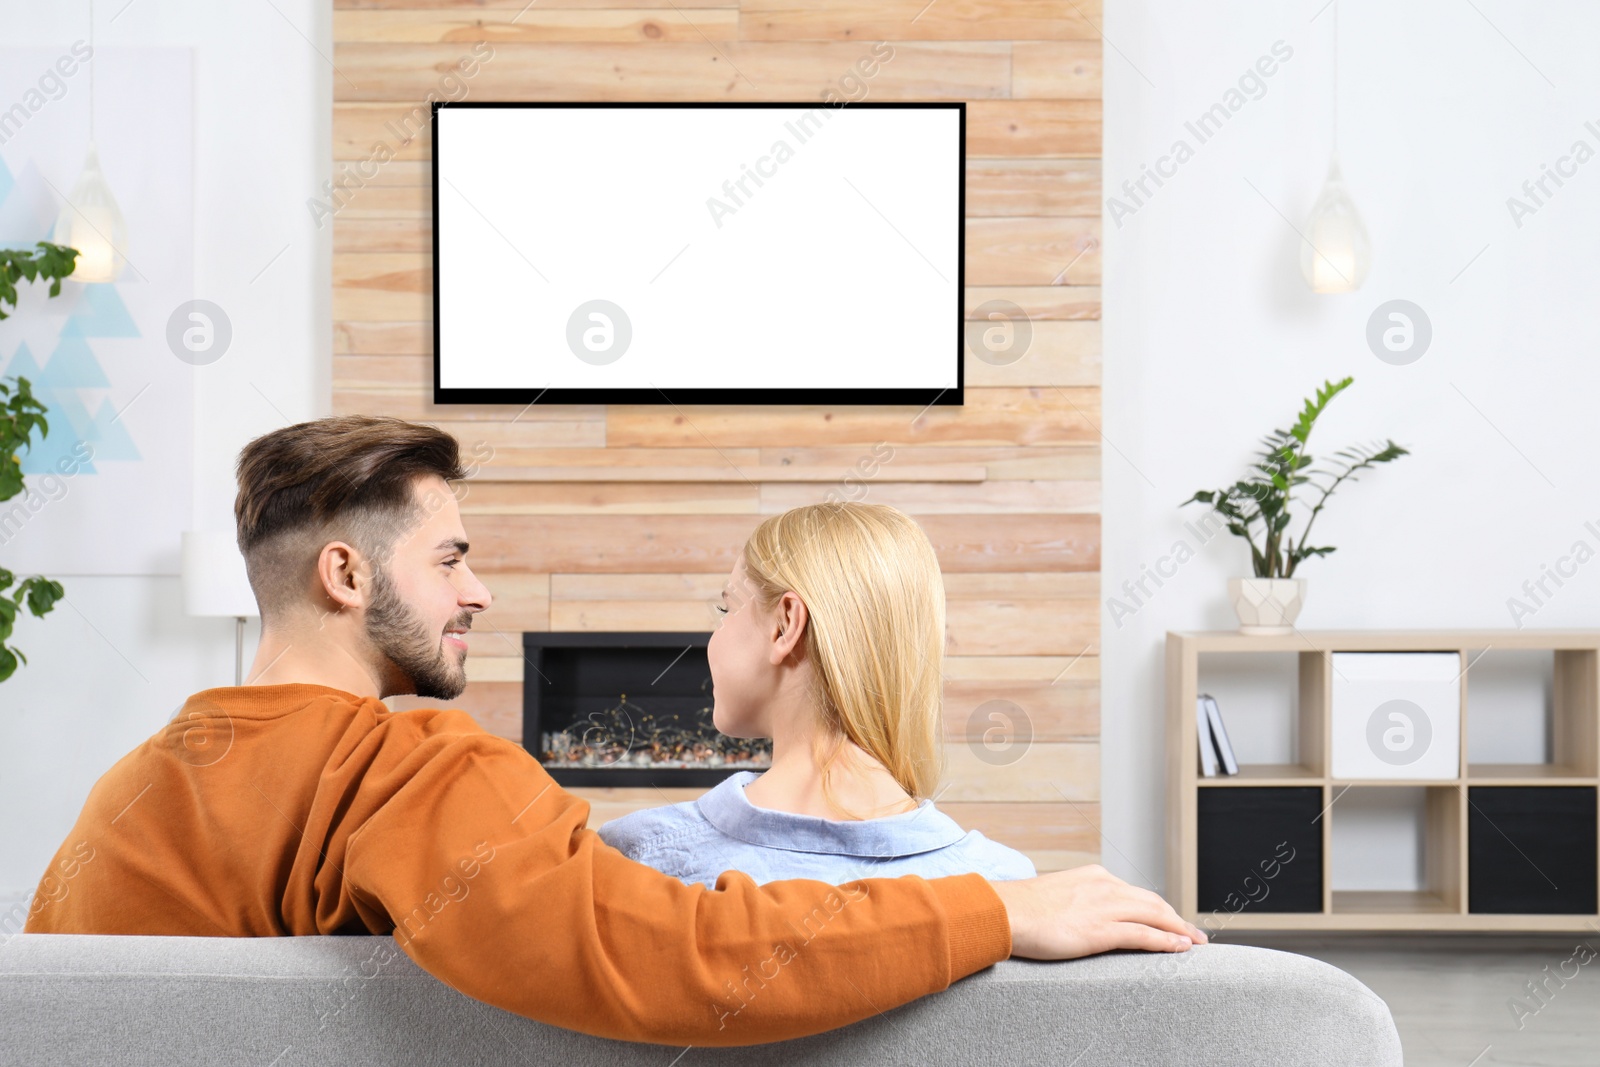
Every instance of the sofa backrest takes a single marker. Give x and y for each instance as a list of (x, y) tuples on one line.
[(355, 1001)]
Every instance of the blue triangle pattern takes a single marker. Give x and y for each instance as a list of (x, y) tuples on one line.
[(23, 365), (56, 455), (73, 366), (100, 313), (70, 423), (111, 438), (67, 412)]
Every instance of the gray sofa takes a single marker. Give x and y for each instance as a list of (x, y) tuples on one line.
[(280, 1002)]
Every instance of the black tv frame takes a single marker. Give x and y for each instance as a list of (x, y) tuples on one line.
[(920, 397)]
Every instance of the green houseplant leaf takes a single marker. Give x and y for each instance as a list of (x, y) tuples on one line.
[(1257, 508), (21, 416)]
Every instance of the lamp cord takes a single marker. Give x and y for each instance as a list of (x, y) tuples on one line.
[(91, 71), (1335, 77)]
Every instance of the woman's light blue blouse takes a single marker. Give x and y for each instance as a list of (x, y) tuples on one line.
[(722, 831)]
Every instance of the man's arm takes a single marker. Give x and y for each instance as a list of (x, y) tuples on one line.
[(493, 884), (1067, 914)]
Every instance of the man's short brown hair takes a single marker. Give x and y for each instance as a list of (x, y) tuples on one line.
[(347, 478)]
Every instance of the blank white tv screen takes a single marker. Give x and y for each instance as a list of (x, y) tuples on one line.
[(775, 253)]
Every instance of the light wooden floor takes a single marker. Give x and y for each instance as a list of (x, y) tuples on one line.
[(1450, 994)]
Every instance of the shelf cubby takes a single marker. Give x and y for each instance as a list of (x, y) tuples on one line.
[(1260, 850), (1522, 858), (1508, 842), (1287, 705), (1530, 713), (1408, 829)]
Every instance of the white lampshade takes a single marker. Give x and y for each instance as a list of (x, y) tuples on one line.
[(1334, 255), (214, 579), (93, 224)]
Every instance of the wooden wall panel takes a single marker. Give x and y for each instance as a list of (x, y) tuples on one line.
[(895, 20), (1007, 487), (684, 70), (533, 24)]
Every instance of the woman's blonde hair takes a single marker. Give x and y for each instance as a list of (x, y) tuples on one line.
[(870, 581)]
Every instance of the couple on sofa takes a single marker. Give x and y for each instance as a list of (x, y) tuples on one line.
[(825, 890)]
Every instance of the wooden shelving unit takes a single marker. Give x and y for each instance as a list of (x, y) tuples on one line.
[(1449, 810)]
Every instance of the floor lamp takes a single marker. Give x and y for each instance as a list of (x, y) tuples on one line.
[(215, 585)]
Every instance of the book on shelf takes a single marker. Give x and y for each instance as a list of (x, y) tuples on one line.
[(1202, 727), (1219, 735)]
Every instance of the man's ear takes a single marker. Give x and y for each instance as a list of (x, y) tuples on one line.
[(344, 575), (788, 627)]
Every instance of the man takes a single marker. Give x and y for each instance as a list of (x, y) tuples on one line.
[(299, 804)]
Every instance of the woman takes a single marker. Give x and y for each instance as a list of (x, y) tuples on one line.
[(831, 643)]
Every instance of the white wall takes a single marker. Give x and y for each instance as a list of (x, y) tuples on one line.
[(109, 667), (1211, 338)]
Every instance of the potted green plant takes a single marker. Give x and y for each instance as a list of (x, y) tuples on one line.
[(1257, 508), (20, 415)]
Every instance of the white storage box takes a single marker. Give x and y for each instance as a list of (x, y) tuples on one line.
[(1396, 714)]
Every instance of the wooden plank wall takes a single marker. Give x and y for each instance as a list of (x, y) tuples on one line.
[(629, 517)]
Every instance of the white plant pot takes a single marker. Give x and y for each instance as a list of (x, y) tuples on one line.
[(1267, 605)]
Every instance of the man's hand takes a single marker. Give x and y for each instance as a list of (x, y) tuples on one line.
[(1067, 914)]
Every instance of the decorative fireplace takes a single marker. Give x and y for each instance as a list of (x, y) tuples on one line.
[(627, 709)]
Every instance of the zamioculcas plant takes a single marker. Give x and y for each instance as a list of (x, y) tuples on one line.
[(1257, 507)]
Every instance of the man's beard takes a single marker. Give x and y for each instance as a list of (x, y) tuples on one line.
[(399, 635)]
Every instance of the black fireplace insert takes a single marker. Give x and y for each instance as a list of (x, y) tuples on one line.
[(627, 709)]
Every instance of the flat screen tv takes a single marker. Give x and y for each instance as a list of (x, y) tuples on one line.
[(669, 253)]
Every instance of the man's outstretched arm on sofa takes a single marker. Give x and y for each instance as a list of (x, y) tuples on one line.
[(493, 884), (1088, 910)]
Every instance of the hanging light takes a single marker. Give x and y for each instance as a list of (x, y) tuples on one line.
[(92, 223), (1335, 254)]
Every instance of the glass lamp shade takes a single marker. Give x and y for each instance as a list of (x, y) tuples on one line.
[(93, 224), (1334, 254)]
